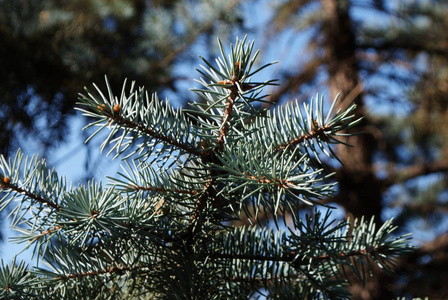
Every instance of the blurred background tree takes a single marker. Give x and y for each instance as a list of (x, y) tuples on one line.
[(51, 49), (391, 57)]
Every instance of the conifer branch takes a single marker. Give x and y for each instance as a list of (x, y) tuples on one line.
[(196, 220), (279, 182), (110, 270), (30, 195), (317, 132), (225, 126), (161, 190), (41, 235), (162, 228), (154, 134), (297, 262)]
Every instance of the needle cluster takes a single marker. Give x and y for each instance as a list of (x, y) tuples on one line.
[(165, 226)]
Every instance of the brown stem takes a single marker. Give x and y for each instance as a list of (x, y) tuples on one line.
[(290, 257), (30, 195), (162, 190), (47, 232), (187, 148), (109, 270), (225, 119), (314, 133)]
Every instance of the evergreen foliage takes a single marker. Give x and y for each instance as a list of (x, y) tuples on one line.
[(163, 227)]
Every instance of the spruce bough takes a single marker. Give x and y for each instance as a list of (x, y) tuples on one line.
[(164, 227)]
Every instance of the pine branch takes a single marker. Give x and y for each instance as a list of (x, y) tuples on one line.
[(315, 133), (289, 125), (135, 116), (15, 279), (109, 270), (162, 226), (141, 176), (116, 118), (160, 190), (8, 186), (47, 233), (225, 126)]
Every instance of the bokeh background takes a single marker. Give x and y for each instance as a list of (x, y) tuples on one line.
[(390, 57)]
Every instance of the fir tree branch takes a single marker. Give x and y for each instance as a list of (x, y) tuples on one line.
[(166, 215), (304, 261), (46, 233), (225, 126), (118, 119), (271, 282), (29, 194), (116, 269), (161, 190), (142, 118), (236, 86), (316, 132), (196, 221)]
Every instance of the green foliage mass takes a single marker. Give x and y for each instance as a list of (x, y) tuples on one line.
[(51, 48), (164, 227)]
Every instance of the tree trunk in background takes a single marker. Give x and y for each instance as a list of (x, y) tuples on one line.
[(359, 189)]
